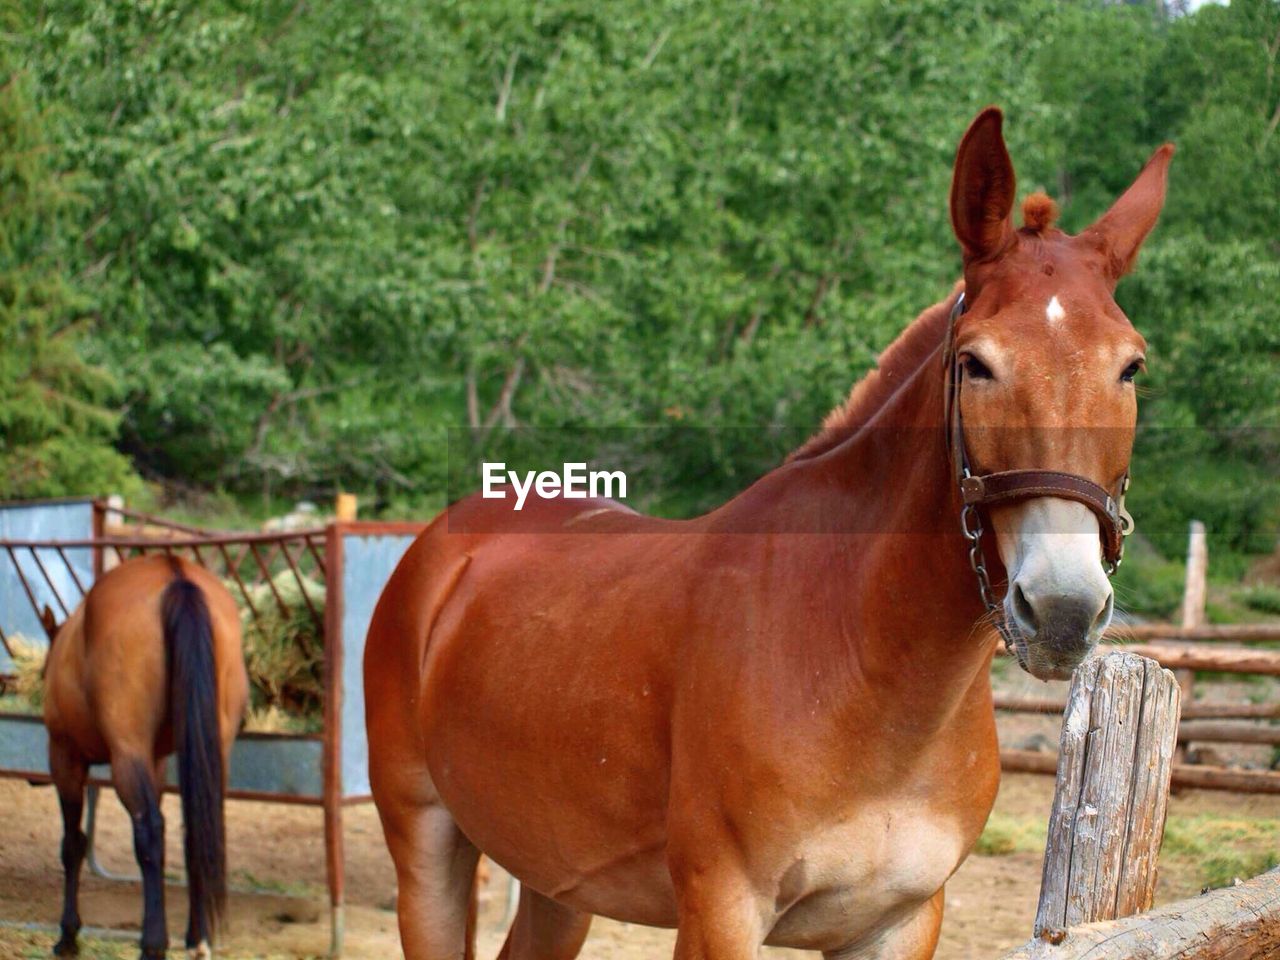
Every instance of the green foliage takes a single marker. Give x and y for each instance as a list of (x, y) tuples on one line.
[(1211, 313), (316, 239), (1147, 584), (55, 431), (1263, 597)]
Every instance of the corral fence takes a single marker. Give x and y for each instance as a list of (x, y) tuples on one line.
[(1116, 760), (1186, 647), (52, 552)]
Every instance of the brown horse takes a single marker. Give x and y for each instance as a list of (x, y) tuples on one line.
[(149, 663), (773, 723)]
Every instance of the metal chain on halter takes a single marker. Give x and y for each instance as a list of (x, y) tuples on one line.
[(1126, 528), (971, 526)]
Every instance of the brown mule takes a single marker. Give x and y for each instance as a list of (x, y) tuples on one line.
[(773, 723), (150, 663)]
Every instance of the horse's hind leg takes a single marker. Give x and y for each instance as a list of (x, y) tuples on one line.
[(545, 930), (134, 778), (69, 775), (435, 870)]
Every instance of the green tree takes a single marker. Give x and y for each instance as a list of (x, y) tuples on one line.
[(56, 425), (320, 237)]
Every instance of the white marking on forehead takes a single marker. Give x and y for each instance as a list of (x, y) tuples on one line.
[(1054, 312)]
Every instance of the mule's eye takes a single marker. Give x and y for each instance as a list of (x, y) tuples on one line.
[(1132, 370), (975, 368)]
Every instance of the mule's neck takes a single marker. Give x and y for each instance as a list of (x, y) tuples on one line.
[(880, 541), (919, 615)]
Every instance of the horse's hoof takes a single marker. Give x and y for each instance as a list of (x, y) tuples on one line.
[(202, 951), (66, 948)]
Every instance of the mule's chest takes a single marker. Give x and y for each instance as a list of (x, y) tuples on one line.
[(866, 874)]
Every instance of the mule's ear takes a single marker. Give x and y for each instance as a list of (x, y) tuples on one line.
[(1119, 232), (982, 188)]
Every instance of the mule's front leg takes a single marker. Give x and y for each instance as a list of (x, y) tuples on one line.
[(720, 915)]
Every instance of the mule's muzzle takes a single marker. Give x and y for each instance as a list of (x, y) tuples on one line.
[(1059, 629)]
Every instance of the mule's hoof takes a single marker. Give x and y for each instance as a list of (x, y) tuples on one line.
[(66, 948), (201, 951)]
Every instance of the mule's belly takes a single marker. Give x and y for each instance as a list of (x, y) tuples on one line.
[(573, 848)]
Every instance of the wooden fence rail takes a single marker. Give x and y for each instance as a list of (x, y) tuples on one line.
[(1185, 775), (1210, 633), (1234, 923), (1190, 711)]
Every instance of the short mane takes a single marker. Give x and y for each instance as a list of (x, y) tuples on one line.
[(900, 359)]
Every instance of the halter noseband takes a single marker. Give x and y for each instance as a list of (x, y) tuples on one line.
[(1011, 486)]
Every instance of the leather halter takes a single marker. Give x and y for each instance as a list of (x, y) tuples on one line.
[(1010, 486)]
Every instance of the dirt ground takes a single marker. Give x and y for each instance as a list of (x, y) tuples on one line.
[(280, 849), (990, 901)]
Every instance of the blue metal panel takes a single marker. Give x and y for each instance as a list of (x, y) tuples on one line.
[(283, 765), (24, 745), (42, 521), (277, 764), (368, 562)]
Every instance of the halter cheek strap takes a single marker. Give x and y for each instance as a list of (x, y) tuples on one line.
[(1011, 486)]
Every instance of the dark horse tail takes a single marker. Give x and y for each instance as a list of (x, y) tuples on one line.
[(193, 704)]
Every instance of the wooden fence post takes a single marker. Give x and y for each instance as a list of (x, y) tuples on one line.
[(1194, 599), (1114, 762)]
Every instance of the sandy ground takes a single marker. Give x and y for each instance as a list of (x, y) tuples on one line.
[(989, 902), (280, 847)]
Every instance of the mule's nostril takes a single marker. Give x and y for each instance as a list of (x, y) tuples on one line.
[(1023, 612)]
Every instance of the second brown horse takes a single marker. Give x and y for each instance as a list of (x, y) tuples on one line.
[(150, 663)]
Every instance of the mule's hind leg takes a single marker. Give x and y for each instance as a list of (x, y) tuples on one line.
[(135, 783), (545, 930), (69, 775), (435, 871)]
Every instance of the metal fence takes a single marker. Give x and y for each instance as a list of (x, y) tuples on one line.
[(51, 553)]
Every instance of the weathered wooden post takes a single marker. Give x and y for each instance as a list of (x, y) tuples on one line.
[(1195, 595), (1115, 759)]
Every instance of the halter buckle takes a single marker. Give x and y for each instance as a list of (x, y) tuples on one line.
[(972, 489)]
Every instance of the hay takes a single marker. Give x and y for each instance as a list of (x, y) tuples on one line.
[(284, 654), (28, 659), (272, 719)]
